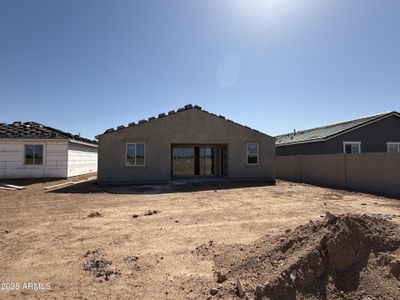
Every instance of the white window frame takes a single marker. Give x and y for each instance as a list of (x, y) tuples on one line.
[(352, 143), (247, 154), (393, 143), (43, 155), (126, 154)]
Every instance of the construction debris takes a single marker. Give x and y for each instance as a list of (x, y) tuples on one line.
[(68, 183), (11, 187)]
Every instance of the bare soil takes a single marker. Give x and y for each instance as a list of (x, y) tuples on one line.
[(350, 256), (170, 242)]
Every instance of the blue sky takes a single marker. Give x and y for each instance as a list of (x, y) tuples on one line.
[(274, 65)]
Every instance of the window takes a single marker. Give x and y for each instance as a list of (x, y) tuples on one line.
[(135, 155), (393, 147), (33, 154), (252, 154), (352, 147)]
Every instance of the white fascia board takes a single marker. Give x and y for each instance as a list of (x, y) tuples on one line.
[(83, 143)]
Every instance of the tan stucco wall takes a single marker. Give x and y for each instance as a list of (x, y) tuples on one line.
[(191, 126), (369, 172)]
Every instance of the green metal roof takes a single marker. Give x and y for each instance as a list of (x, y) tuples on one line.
[(325, 132)]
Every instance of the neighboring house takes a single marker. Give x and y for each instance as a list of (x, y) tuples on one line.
[(188, 143), (377, 133), (32, 150)]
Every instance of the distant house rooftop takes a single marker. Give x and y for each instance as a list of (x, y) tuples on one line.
[(33, 130), (328, 131)]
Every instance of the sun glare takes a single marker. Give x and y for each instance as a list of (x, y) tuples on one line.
[(267, 10)]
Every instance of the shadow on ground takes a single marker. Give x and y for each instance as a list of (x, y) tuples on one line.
[(29, 181), (178, 186)]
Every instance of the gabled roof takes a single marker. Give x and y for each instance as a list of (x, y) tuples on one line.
[(33, 130), (173, 112), (329, 131)]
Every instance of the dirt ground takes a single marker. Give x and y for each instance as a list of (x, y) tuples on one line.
[(48, 238)]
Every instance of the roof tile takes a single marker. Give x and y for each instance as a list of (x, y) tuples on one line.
[(186, 107), (28, 130)]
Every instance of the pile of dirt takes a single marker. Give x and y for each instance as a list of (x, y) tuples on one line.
[(345, 257)]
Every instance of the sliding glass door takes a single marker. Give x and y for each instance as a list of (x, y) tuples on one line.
[(183, 161), (206, 161), (191, 161)]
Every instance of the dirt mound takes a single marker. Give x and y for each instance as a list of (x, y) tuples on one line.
[(349, 256)]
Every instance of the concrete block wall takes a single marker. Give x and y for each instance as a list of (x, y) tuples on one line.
[(369, 172)]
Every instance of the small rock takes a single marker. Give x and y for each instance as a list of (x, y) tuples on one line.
[(214, 291), (131, 258), (221, 277), (94, 214), (148, 213), (363, 203), (288, 230), (6, 231), (89, 252), (293, 275), (329, 217), (176, 221), (239, 289), (135, 216), (395, 268)]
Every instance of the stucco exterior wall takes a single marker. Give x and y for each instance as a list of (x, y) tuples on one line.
[(192, 126), (308, 148)]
